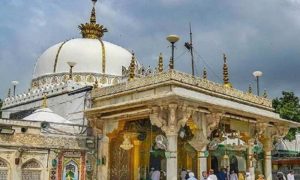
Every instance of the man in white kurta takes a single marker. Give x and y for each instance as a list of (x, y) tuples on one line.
[(155, 175)]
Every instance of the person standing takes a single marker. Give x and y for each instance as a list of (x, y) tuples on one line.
[(155, 175), (212, 176), (222, 174), (233, 176), (291, 176), (204, 175), (183, 174), (248, 176), (191, 176)]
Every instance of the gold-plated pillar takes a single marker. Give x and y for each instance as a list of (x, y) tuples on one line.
[(136, 159)]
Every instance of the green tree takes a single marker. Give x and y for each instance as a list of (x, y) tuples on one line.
[(288, 107)]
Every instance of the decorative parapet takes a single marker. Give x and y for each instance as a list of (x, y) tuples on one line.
[(199, 84)]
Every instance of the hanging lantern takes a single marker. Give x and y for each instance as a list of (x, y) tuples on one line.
[(54, 163), (225, 160)]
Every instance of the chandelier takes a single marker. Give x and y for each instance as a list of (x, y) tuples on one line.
[(126, 145)]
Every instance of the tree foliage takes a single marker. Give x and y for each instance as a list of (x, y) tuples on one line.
[(288, 107)]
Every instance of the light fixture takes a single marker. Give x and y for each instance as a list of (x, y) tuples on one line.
[(172, 39), (71, 64), (257, 74), (126, 145)]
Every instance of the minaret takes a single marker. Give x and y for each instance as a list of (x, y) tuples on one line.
[(92, 30), (250, 89), (204, 73), (132, 68), (160, 67), (225, 72)]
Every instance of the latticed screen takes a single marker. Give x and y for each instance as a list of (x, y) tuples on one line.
[(30, 171), (3, 175), (31, 175)]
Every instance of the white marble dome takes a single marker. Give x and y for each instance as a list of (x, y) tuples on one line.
[(88, 56), (47, 115)]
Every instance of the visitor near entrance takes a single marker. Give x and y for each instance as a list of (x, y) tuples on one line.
[(233, 176), (212, 176), (155, 175), (204, 175), (290, 176), (183, 174), (191, 176)]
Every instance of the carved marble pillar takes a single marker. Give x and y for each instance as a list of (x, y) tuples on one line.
[(202, 162), (104, 156), (172, 160), (250, 164), (170, 118), (267, 143)]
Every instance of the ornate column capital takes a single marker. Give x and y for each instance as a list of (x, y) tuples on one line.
[(213, 119), (170, 118), (279, 131)]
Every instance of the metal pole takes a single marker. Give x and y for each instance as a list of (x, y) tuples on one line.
[(173, 46), (257, 81), (192, 54), (70, 75)]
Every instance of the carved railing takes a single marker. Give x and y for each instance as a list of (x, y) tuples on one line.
[(200, 84)]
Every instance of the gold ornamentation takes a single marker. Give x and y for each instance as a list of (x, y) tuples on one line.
[(57, 54), (132, 68), (92, 30), (42, 141), (44, 105), (103, 56), (160, 63), (201, 84), (225, 73)]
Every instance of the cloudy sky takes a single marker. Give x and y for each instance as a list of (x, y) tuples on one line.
[(256, 35)]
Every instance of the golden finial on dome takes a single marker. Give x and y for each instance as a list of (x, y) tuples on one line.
[(92, 30), (44, 104), (160, 63), (204, 73), (132, 68), (225, 73)]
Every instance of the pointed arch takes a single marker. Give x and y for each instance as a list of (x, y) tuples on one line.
[(4, 169), (31, 169), (71, 170)]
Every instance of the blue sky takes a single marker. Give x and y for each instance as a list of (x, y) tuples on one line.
[(256, 35)]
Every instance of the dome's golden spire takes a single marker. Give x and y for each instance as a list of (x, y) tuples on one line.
[(160, 63), (92, 30)]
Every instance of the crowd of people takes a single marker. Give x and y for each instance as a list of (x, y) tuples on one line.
[(224, 174)]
